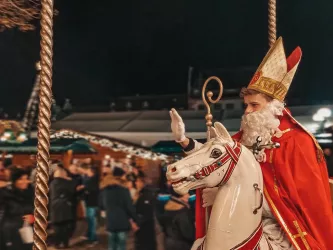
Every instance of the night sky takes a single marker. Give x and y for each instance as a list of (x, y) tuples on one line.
[(108, 48)]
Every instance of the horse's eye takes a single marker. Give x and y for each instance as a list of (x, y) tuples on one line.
[(216, 153)]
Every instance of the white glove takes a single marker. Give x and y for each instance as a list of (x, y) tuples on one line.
[(177, 126), (208, 196)]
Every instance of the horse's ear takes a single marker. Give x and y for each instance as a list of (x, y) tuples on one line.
[(222, 132), (213, 132)]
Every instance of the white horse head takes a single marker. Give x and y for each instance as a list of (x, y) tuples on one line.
[(224, 163), (189, 173)]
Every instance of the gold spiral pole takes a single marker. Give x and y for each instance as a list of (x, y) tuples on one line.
[(271, 22), (209, 118), (44, 122)]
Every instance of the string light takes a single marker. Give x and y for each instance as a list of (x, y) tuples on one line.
[(12, 132), (109, 143)]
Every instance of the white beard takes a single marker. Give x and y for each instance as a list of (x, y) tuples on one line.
[(263, 123)]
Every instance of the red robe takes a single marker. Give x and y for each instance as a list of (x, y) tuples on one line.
[(297, 188)]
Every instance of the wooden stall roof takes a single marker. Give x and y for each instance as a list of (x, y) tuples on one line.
[(58, 146)]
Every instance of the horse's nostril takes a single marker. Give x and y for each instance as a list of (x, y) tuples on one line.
[(174, 169)]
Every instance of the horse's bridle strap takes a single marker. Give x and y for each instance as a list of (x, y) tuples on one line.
[(232, 153)]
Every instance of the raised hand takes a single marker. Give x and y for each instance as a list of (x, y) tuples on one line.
[(29, 218)]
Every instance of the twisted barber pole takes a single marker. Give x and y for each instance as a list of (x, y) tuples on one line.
[(201, 214), (271, 22), (44, 122)]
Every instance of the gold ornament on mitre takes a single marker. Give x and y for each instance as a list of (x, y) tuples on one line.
[(276, 72)]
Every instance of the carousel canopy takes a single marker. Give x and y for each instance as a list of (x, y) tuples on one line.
[(12, 131), (58, 146)]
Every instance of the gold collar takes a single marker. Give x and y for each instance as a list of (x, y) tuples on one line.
[(280, 133)]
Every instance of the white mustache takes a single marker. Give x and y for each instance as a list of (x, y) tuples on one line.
[(261, 123)]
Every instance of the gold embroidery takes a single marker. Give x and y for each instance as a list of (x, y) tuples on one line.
[(276, 188), (273, 170), (270, 87), (279, 217), (301, 235), (271, 157), (273, 77), (280, 133)]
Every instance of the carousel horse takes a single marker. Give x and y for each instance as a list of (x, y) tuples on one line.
[(236, 217)]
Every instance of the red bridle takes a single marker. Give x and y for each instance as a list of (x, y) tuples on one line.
[(232, 154)]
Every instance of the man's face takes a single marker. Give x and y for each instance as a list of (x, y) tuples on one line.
[(260, 119), (22, 183), (254, 103), (73, 169), (135, 171), (139, 183), (3, 174)]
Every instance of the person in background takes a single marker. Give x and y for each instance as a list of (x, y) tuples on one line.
[(4, 177), (131, 188), (106, 170), (74, 173), (33, 173), (18, 210), (163, 182), (120, 212), (91, 195), (62, 199), (133, 174), (145, 237), (177, 222)]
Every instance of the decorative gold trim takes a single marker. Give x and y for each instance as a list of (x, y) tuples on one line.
[(209, 116), (271, 156), (301, 235), (271, 153), (279, 217), (270, 87), (279, 134)]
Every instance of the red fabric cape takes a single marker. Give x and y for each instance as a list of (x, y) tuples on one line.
[(296, 188)]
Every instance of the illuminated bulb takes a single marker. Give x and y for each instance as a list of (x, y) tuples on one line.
[(7, 134), (318, 118), (324, 112)]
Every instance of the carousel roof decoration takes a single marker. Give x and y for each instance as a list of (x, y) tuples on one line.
[(57, 146), (12, 132), (19, 13), (115, 145)]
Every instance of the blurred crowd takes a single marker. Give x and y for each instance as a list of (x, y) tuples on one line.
[(117, 195)]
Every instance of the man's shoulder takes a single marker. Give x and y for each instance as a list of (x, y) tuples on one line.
[(297, 138)]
